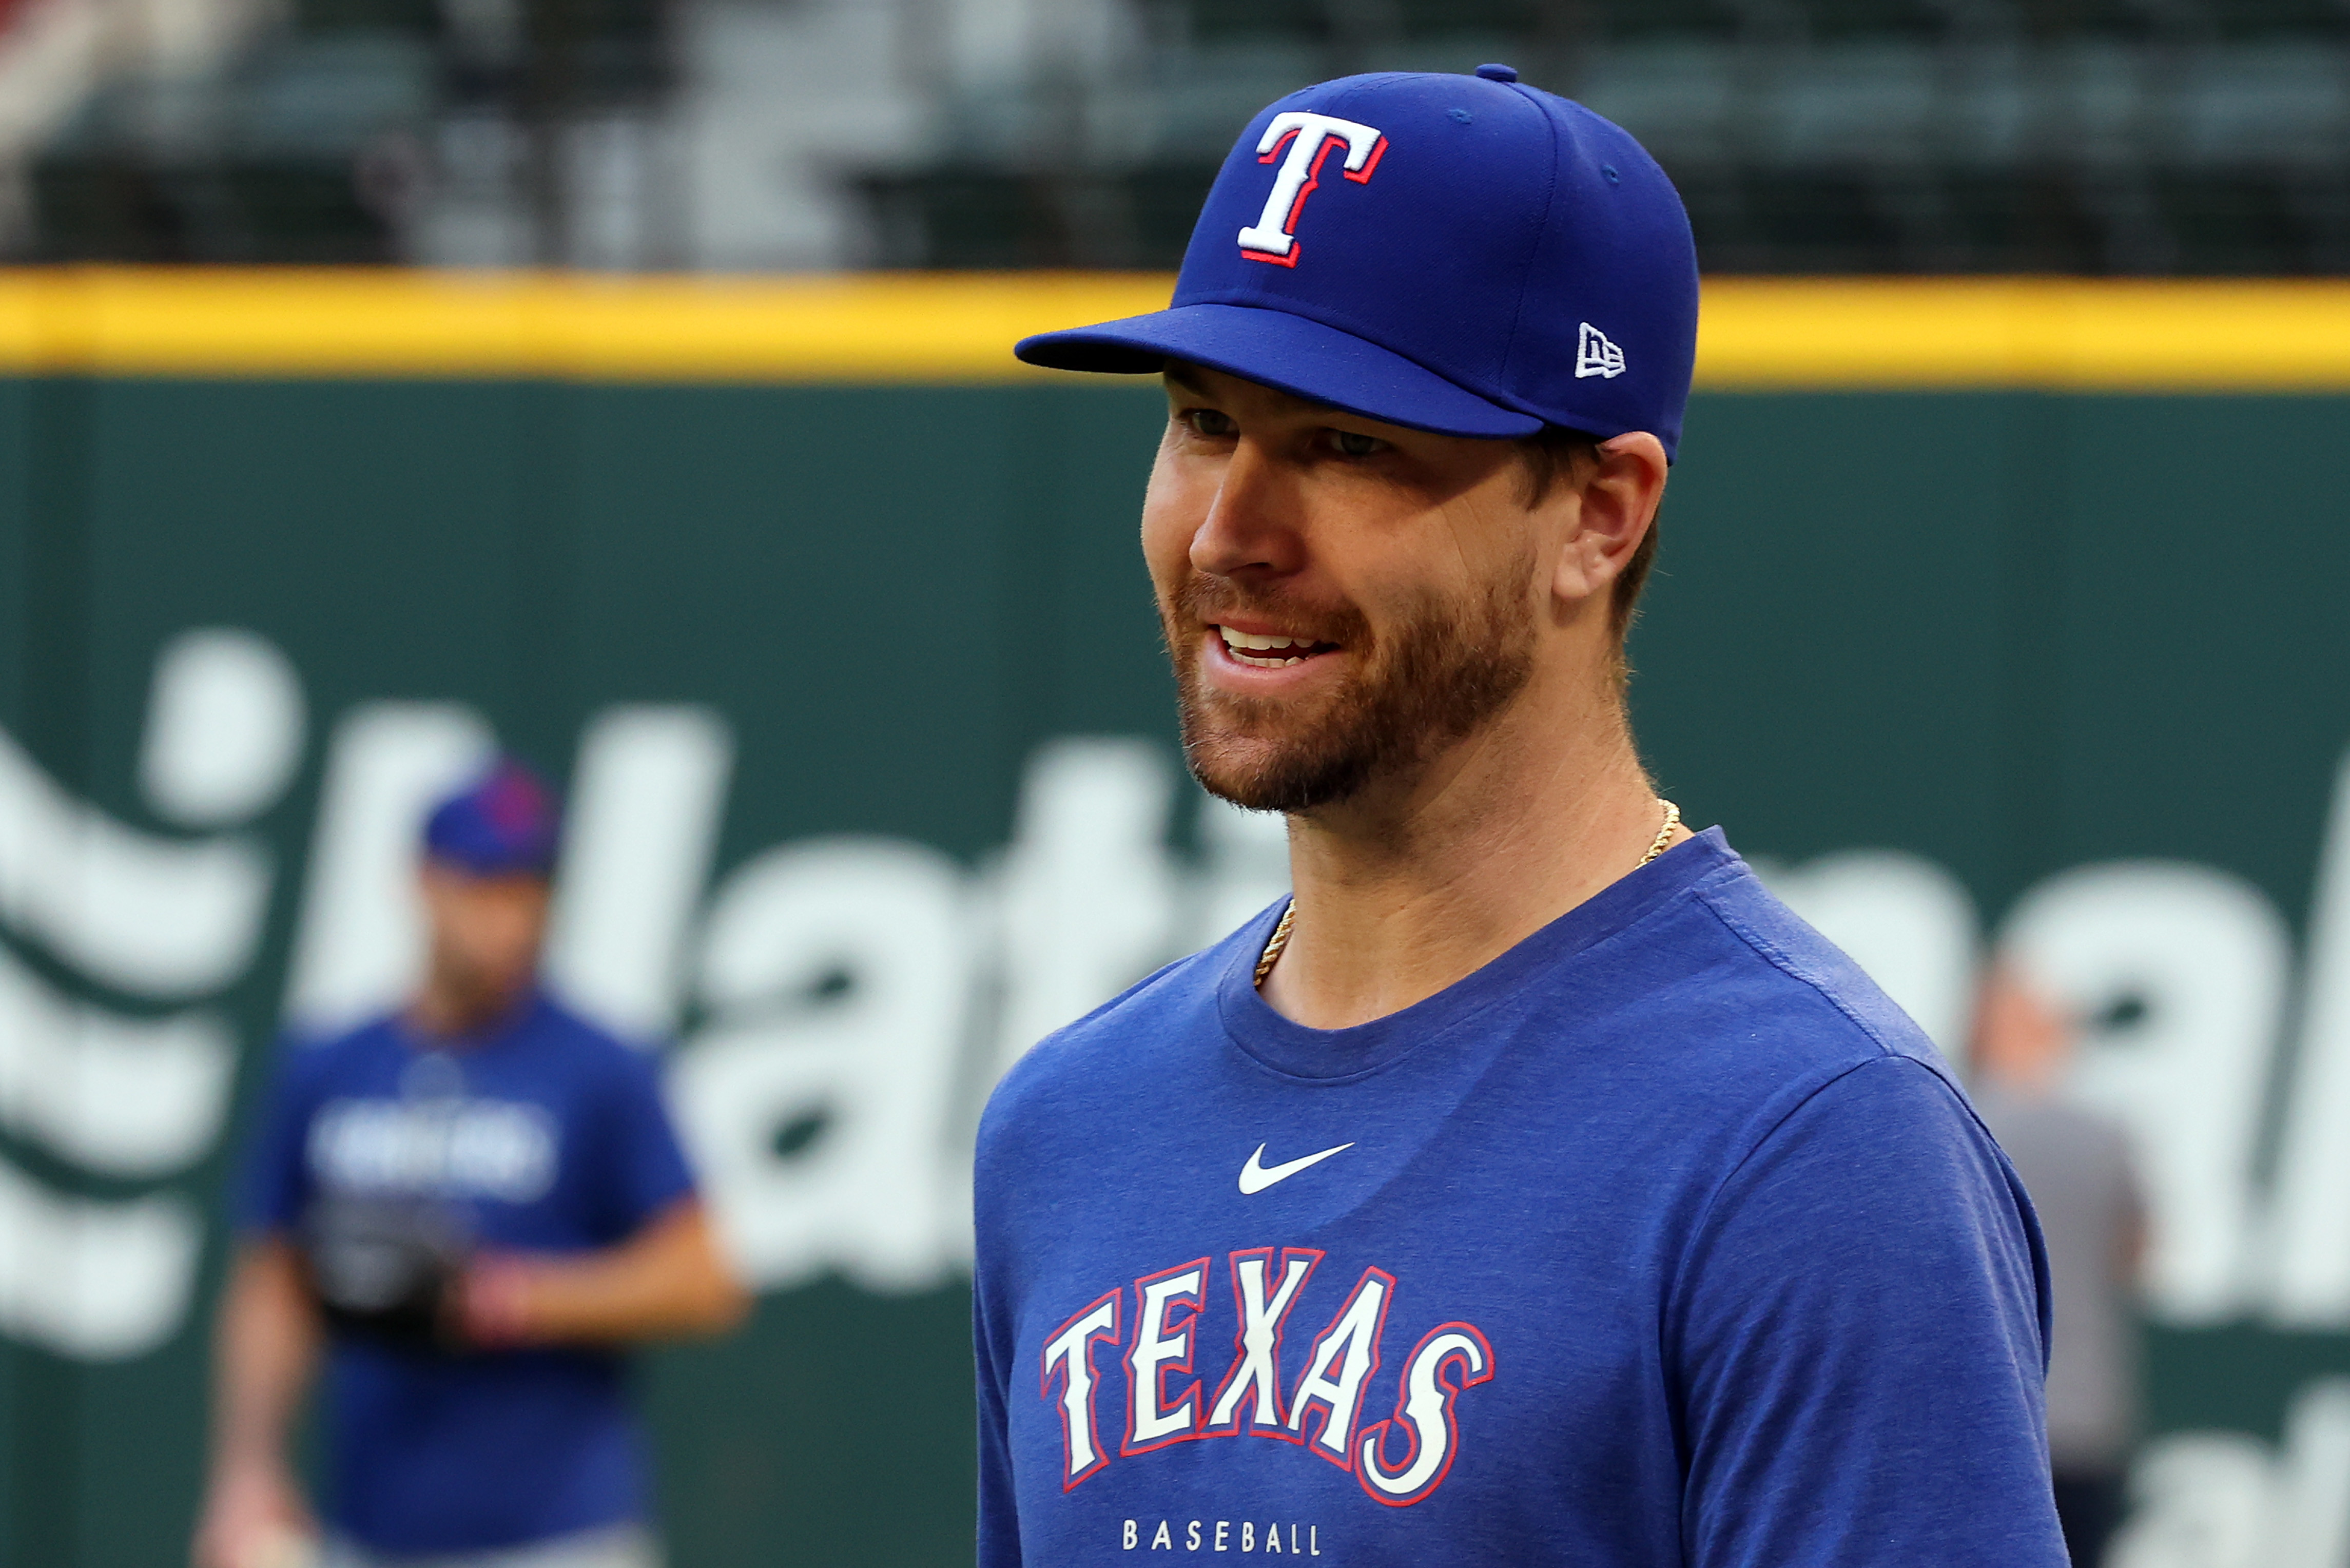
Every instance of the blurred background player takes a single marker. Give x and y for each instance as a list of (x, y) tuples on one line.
[(473, 1204), (2078, 1167)]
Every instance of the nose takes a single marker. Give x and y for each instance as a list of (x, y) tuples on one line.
[(1251, 526)]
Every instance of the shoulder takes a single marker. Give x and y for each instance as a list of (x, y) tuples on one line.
[(1845, 1131), (1882, 1167), (1727, 1015), (586, 1069), (314, 1061), (1891, 1116), (588, 1047), (1777, 997), (1112, 1048)]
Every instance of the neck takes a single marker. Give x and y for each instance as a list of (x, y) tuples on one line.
[(2034, 1081), (1418, 882), (450, 1012)]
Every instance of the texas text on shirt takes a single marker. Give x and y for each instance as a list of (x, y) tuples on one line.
[(1663, 1238)]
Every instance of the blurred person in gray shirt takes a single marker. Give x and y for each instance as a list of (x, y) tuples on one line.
[(2079, 1166)]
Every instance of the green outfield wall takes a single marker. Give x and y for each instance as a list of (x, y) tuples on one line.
[(858, 690)]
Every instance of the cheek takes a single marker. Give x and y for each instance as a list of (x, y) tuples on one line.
[(1497, 553), (1169, 522), (1406, 590), (523, 927)]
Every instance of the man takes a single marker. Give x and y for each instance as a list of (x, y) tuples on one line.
[(475, 1203), (2083, 1181), (1532, 1188)]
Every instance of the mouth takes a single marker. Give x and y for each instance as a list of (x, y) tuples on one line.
[(1270, 649)]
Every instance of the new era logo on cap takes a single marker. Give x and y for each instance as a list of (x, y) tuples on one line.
[(1595, 356), (1459, 291)]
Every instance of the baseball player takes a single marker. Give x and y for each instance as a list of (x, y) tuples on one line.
[(475, 1203), (1532, 1187)]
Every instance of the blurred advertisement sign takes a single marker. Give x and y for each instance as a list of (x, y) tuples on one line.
[(848, 999), (847, 1002), (168, 921), (842, 1005)]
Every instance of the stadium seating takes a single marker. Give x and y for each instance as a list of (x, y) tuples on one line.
[(2082, 136)]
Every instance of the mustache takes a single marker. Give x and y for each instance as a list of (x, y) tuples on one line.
[(1203, 599)]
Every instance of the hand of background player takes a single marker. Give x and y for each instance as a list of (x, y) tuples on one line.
[(670, 1279), (494, 1303), (254, 1518)]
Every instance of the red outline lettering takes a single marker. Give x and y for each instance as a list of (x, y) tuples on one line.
[(1169, 1329), (1093, 1376), (1372, 1440), (1239, 1423), (1299, 1414), (1313, 183)]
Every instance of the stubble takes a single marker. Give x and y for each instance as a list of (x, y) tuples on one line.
[(1440, 674)]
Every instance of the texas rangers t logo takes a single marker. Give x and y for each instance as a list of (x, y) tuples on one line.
[(1274, 236)]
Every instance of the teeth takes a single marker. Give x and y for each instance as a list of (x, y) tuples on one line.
[(1263, 645), (1237, 639)]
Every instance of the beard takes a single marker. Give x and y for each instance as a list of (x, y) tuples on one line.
[(1439, 676)]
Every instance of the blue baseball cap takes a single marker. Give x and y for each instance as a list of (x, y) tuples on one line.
[(505, 824), (1459, 254)]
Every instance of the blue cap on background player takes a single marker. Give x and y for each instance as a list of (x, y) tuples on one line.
[(1463, 255), (505, 824)]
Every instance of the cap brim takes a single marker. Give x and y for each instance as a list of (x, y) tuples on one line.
[(1287, 352)]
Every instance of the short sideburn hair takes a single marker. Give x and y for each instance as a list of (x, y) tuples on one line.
[(1553, 453)]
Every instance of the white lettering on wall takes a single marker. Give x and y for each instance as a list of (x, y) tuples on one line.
[(859, 996), (1087, 885), (647, 795), (224, 728), (121, 1096), (152, 916), (837, 972), (97, 1281), (2308, 1255), (358, 946), (2224, 1499)]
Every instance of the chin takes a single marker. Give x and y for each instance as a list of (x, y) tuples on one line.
[(1292, 774)]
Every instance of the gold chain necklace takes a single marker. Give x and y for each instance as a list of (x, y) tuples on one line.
[(1280, 939)]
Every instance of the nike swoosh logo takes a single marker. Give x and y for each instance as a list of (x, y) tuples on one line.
[(1256, 1178)]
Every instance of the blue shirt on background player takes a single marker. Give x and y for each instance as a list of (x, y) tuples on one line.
[(544, 1135), (480, 1200), (1532, 1187)]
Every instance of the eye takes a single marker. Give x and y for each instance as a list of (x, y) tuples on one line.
[(1354, 444), (1212, 424)]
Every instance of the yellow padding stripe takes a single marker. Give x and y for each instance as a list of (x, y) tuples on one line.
[(206, 322), (1757, 334), (2063, 334)]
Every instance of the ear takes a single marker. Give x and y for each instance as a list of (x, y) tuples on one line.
[(1614, 506)]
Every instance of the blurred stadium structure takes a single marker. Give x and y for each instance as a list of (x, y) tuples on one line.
[(2131, 137)]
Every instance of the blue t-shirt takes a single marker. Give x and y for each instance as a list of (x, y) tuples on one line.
[(546, 1136), (1663, 1238)]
